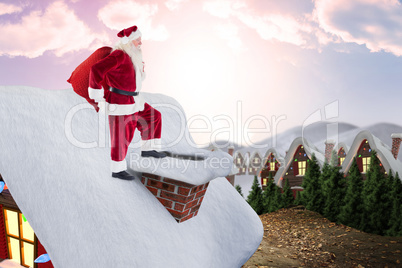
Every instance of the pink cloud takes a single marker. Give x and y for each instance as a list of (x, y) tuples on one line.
[(174, 5), (374, 23), (9, 9), (269, 26), (57, 29), (118, 15)]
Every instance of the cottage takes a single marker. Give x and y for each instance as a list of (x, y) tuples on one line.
[(296, 162), (18, 241), (255, 163), (240, 163), (342, 150), (362, 148), (271, 163)]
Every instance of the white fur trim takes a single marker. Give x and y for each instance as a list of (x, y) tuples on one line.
[(117, 166), (153, 144), (134, 35), (126, 109), (95, 94), (125, 40)]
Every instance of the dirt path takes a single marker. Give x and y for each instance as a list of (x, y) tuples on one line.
[(296, 237)]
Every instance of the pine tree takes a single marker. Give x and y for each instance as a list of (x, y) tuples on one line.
[(311, 185), (238, 188), (269, 196), (334, 159), (351, 212), (299, 198), (254, 199), (323, 181), (287, 195), (375, 199), (335, 194), (277, 202), (395, 221)]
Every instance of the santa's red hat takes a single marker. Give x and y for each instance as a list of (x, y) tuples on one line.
[(129, 34)]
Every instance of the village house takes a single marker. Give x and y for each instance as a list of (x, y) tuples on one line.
[(255, 163), (362, 148), (342, 150), (240, 163), (18, 241), (296, 163), (272, 161)]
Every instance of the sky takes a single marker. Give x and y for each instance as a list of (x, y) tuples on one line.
[(242, 70)]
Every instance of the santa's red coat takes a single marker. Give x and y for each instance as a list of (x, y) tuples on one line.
[(117, 70)]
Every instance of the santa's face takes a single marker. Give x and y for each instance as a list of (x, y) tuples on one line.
[(137, 43)]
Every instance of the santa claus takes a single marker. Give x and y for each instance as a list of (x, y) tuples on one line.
[(123, 71)]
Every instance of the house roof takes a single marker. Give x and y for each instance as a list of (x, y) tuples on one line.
[(383, 153), (310, 150), (278, 157), (342, 145)]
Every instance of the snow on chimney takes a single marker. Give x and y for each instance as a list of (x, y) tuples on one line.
[(329, 146), (230, 150), (396, 143), (182, 200)]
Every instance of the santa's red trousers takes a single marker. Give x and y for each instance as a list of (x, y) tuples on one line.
[(122, 128)]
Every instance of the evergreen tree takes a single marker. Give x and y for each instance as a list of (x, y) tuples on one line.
[(334, 159), (323, 181), (269, 196), (277, 202), (299, 198), (375, 199), (254, 199), (395, 221), (335, 194), (287, 195), (351, 212), (312, 188), (238, 188)]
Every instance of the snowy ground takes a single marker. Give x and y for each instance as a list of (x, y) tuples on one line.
[(55, 160)]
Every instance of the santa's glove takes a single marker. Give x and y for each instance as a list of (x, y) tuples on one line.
[(96, 94)]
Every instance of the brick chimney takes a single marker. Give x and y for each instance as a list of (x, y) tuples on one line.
[(396, 143), (230, 150), (329, 146)]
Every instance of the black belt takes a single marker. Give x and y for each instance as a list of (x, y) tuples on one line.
[(123, 92)]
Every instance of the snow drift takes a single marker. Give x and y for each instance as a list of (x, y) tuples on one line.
[(55, 160)]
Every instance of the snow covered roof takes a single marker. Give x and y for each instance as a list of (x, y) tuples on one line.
[(309, 148), (383, 153), (55, 160), (342, 145)]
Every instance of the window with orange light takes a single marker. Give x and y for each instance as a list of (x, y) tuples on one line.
[(302, 167), (20, 238), (366, 163)]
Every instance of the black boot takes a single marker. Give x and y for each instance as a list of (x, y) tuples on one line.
[(124, 175), (153, 153)]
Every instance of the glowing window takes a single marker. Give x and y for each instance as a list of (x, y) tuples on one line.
[(20, 238), (238, 160), (272, 166), (264, 182), (302, 167), (366, 164), (341, 159)]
